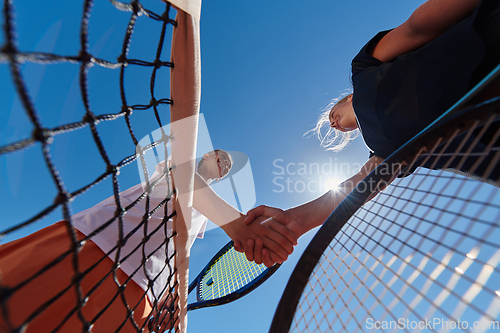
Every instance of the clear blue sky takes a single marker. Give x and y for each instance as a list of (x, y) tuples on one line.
[(268, 67)]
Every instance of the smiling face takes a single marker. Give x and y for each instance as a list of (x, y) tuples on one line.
[(342, 116)]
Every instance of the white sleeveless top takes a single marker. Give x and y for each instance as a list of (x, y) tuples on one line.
[(90, 219)]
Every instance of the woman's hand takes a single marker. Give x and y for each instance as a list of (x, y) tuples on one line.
[(302, 218), (272, 240), (278, 220)]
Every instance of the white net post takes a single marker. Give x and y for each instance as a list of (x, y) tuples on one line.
[(186, 94)]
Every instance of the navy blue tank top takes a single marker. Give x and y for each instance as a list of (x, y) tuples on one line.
[(394, 101)]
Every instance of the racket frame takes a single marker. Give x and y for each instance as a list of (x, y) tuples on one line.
[(456, 117), (200, 303)]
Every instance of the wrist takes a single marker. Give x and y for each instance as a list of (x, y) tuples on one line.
[(314, 213), (229, 228), (296, 225)]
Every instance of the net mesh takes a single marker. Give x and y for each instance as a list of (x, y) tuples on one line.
[(423, 255), (134, 114)]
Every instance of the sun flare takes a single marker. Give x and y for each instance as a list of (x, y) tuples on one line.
[(332, 184)]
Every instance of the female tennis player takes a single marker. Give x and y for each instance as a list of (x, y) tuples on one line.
[(52, 300), (403, 79)]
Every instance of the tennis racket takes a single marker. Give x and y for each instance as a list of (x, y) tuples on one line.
[(227, 277), (424, 254)]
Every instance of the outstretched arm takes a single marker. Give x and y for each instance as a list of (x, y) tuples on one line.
[(426, 23), (277, 238), (305, 217)]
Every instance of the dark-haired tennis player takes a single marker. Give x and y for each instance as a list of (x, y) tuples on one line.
[(51, 296)]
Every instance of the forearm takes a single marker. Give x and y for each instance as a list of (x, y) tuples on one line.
[(213, 207), (314, 213), (300, 219), (207, 202)]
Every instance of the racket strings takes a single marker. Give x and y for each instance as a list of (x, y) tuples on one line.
[(230, 272), (432, 226), (346, 248), (423, 255)]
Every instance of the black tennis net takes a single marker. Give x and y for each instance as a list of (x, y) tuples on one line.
[(136, 114)]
